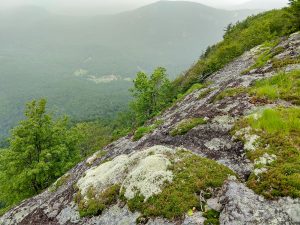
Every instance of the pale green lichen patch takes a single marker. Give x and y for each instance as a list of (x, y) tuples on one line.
[(148, 176)]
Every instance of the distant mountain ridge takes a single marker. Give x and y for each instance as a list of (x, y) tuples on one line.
[(266, 4), (40, 51)]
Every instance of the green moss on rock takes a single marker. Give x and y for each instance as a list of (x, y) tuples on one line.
[(230, 92), (284, 86), (277, 157), (184, 126), (212, 217), (61, 181), (95, 203)]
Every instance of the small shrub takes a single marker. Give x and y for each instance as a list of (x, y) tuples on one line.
[(186, 125)]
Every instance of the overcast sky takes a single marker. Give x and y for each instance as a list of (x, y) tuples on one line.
[(113, 6)]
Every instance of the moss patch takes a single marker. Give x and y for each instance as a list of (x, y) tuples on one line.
[(283, 85), (230, 92), (193, 88), (96, 202), (212, 217), (279, 130), (141, 131), (184, 126), (192, 175)]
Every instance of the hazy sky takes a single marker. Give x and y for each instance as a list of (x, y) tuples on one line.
[(110, 6)]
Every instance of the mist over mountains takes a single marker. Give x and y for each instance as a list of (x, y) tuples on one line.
[(84, 65)]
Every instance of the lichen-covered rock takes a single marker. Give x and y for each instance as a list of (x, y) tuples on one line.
[(243, 206), (141, 172)]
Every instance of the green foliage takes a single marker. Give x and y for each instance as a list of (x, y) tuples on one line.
[(97, 202), (151, 94), (190, 180), (295, 11), (284, 86), (212, 217), (41, 150), (239, 38), (93, 136), (230, 92), (279, 130), (184, 126)]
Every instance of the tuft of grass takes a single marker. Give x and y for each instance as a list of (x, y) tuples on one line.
[(212, 217), (141, 131), (283, 85), (280, 63), (193, 88), (193, 176), (230, 92), (279, 130), (205, 93), (96, 202), (184, 126)]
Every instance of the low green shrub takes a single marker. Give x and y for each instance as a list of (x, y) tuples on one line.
[(184, 126)]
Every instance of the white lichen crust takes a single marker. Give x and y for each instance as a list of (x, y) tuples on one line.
[(143, 172)]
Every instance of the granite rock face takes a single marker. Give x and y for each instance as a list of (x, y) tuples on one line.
[(238, 204)]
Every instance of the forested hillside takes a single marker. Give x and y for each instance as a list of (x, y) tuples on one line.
[(84, 65)]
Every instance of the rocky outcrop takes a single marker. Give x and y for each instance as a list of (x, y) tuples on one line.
[(214, 140)]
